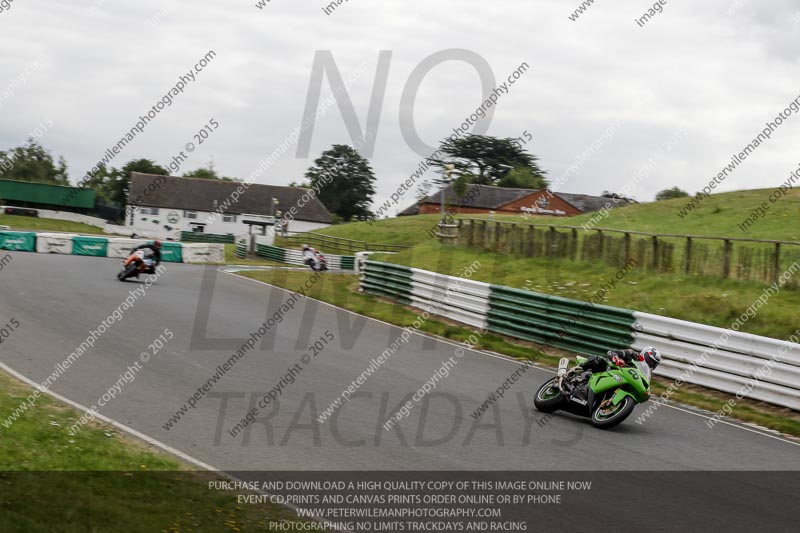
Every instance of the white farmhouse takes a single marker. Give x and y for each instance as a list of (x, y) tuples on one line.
[(163, 206)]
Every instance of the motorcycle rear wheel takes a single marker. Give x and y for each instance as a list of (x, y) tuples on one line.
[(605, 418), (548, 397)]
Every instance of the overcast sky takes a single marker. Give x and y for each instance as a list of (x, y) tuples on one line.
[(712, 71)]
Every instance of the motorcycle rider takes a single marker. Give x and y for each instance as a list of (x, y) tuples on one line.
[(152, 255), (599, 363), (308, 256), (319, 261)]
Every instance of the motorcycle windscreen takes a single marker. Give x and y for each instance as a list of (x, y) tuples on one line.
[(644, 369)]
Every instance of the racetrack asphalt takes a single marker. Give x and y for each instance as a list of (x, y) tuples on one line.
[(58, 300)]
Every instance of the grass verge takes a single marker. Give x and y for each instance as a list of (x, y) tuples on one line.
[(719, 215), (342, 290), (101, 480), (21, 223), (705, 299), (232, 259), (712, 301)]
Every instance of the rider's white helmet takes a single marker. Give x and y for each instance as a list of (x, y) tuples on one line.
[(651, 356)]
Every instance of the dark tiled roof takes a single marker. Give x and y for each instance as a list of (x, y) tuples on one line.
[(409, 211), (480, 196), (586, 203), (487, 197), (195, 194)]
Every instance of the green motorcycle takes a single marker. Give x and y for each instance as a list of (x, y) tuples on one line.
[(607, 399)]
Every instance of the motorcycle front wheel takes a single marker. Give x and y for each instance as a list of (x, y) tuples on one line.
[(127, 272), (607, 415), (548, 397)]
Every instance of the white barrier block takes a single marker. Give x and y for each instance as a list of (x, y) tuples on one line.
[(293, 257), (54, 243), (771, 367), (360, 256), (122, 248), (701, 334), (203, 253)]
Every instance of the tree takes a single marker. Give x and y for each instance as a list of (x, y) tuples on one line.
[(113, 186), (674, 192), (99, 180), (486, 160), (616, 196), (32, 162), (523, 178), (209, 173), (460, 187), (423, 190), (344, 181)]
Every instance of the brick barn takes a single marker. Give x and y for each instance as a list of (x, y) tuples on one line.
[(481, 199)]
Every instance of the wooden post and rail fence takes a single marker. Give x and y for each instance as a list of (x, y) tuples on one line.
[(725, 257)]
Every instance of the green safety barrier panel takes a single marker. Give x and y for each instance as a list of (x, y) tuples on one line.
[(271, 252), (274, 253), (94, 246), (21, 241), (572, 325), (388, 280), (171, 252), (241, 250), (197, 236)]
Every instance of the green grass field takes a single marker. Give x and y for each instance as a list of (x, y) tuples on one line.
[(705, 299), (101, 480), (47, 224), (717, 215)]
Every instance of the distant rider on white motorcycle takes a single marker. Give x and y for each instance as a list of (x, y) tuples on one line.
[(308, 256), (314, 259)]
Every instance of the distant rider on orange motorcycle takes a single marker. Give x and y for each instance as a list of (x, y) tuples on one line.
[(152, 255)]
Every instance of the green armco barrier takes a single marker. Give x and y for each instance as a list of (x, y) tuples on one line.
[(241, 250), (295, 257), (271, 252), (573, 325), (198, 236), (171, 252), (94, 246), (20, 241), (388, 280)]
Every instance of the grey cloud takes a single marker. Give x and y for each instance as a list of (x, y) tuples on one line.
[(729, 73)]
